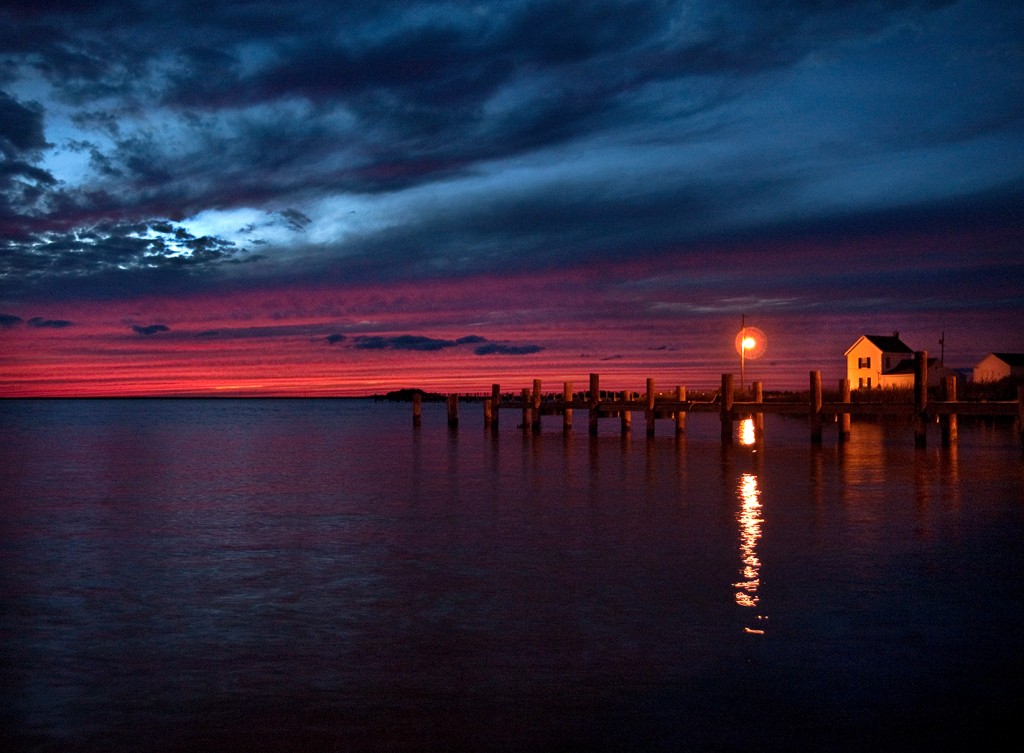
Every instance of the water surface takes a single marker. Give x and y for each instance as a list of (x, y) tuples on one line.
[(317, 575)]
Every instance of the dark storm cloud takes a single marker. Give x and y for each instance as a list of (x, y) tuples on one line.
[(551, 226), (104, 259), (314, 332), (11, 169), (664, 125), (426, 344), (21, 127), (23, 185), (417, 77), (401, 342), (9, 320), (152, 329), (499, 349), (416, 83), (41, 323), (296, 220)]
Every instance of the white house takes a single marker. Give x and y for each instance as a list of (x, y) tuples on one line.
[(872, 356), (996, 366)]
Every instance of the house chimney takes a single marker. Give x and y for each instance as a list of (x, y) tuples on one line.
[(896, 334)]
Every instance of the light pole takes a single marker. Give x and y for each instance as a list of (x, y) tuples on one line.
[(750, 343), (743, 349)]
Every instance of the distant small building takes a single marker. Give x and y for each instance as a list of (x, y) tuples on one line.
[(901, 376), (872, 356), (996, 366)]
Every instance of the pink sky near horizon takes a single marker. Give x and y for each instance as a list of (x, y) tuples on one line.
[(274, 341), (352, 198)]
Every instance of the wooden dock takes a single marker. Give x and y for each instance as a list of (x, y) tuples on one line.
[(674, 406)]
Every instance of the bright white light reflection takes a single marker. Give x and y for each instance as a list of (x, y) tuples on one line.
[(750, 520), (747, 434)]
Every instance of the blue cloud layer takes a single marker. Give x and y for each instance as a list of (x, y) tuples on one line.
[(377, 142)]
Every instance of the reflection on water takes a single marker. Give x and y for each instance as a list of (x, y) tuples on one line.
[(315, 575), (750, 521), (748, 432)]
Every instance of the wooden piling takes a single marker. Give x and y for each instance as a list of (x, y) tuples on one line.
[(535, 399), (527, 410), (453, 411), (725, 413), (593, 398), (920, 397), (844, 418), (815, 407), (567, 413), (626, 416), (649, 410), (488, 412), (680, 414), (495, 405), (949, 420), (417, 409), (758, 417)]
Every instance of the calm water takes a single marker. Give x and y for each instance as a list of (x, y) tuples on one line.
[(316, 575)]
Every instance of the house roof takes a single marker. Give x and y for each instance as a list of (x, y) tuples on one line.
[(1010, 359), (907, 366), (885, 343), (889, 343), (1013, 359)]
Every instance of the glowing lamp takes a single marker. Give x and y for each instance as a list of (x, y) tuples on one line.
[(750, 343)]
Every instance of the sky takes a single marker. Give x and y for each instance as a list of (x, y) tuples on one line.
[(343, 198)]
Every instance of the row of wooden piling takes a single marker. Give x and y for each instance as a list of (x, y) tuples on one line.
[(675, 406)]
